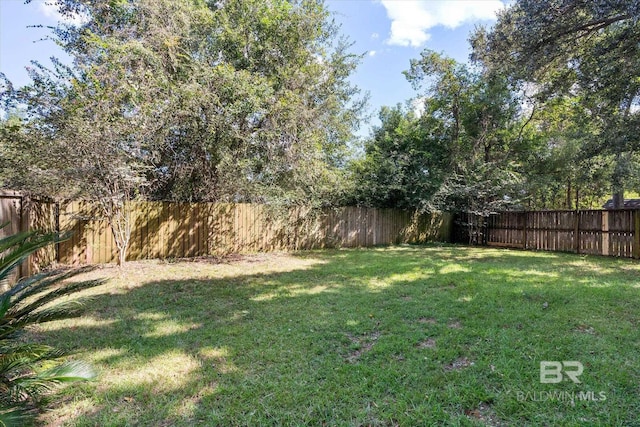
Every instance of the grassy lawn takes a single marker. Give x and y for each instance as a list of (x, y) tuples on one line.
[(434, 335)]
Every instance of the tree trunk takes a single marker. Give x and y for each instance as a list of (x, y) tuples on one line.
[(618, 198), (617, 182), (120, 222)]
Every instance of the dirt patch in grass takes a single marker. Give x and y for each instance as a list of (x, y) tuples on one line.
[(364, 342), (455, 324), (428, 343), (485, 414), (458, 364), (428, 320), (585, 329)]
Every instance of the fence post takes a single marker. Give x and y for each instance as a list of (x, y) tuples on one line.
[(56, 217), (25, 226), (636, 233), (576, 232), (524, 230), (605, 233)]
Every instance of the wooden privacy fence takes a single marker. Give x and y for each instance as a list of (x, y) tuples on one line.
[(19, 213), (177, 230), (597, 232)]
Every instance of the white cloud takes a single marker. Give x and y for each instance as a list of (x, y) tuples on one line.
[(375, 36), (417, 106), (412, 19), (49, 8), (372, 53)]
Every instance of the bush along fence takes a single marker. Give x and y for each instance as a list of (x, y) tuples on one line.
[(596, 232), (179, 230)]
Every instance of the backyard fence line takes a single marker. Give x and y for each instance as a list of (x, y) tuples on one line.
[(19, 213), (596, 232), (181, 230)]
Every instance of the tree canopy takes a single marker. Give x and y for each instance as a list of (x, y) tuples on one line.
[(572, 48), (241, 100), (251, 101), (461, 153)]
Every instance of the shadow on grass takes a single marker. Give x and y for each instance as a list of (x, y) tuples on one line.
[(341, 340)]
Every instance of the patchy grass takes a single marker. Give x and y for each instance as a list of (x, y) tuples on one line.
[(435, 335)]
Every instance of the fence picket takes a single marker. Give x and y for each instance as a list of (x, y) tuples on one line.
[(168, 230), (613, 233)]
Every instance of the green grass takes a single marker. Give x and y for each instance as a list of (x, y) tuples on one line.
[(434, 335)]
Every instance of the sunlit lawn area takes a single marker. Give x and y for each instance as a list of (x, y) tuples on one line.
[(434, 335)]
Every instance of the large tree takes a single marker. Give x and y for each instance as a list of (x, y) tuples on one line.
[(559, 173), (475, 116), (401, 165), (241, 100), (575, 47), (236, 100), (462, 153)]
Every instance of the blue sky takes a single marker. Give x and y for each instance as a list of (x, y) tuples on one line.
[(391, 32)]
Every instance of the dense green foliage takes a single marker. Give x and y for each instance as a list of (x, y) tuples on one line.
[(545, 118), (242, 100), (584, 52), (26, 371), (400, 164), (248, 100), (464, 152)]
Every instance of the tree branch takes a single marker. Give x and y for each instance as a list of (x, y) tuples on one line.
[(588, 28)]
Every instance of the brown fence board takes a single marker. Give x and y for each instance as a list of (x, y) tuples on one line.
[(595, 232), (165, 230), (176, 230)]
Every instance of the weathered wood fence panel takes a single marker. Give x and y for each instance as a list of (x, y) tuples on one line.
[(11, 219), (179, 230), (596, 232), (18, 214)]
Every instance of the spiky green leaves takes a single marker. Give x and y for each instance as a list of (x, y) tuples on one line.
[(34, 300)]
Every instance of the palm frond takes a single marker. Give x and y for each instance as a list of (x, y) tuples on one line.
[(16, 417), (17, 248), (53, 295), (40, 282), (31, 301)]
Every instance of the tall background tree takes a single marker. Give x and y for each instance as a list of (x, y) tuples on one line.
[(464, 152), (241, 100), (574, 48)]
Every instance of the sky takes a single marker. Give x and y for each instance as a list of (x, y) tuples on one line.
[(388, 32)]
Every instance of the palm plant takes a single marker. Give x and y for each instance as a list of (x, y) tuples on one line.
[(31, 301)]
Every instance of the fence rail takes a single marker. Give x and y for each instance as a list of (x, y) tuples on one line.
[(597, 232), (177, 230)]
